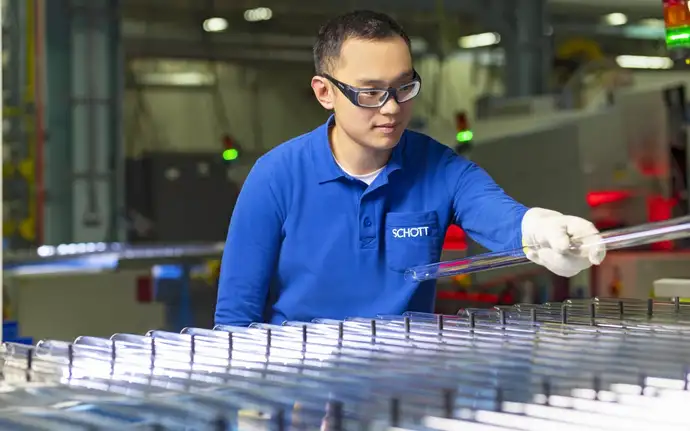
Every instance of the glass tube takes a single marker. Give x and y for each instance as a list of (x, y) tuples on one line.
[(614, 239)]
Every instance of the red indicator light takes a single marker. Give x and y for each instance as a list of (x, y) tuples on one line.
[(676, 13), (603, 197), (456, 239), (461, 123)]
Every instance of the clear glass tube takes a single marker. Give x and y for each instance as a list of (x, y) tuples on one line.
[(614, 239)]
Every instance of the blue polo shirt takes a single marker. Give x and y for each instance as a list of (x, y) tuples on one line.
[(306, 240)]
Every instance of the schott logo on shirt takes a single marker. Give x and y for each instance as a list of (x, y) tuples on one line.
[(410, 232)]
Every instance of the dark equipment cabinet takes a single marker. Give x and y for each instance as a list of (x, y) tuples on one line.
[(178, 197)]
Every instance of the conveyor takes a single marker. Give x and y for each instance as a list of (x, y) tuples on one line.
[(109, 256), (597, 364)]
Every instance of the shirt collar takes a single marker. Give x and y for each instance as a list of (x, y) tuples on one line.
[(325, 165)]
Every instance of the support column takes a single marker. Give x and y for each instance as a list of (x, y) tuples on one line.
[(84, 162), (58, 152), (528, 49)]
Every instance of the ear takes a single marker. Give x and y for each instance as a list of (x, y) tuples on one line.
[(323, 92)]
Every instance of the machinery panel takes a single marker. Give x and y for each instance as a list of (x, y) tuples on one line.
[(624, 147), (180, 197), (538, 168), (611, 164)]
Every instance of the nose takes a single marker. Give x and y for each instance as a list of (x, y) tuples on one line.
[(390, 107)]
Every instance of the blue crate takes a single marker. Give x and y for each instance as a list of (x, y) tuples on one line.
[(10, 330), (10, 333)]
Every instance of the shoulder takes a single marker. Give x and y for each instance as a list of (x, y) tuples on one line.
[(282, 168), (287, 154), (284, 162)]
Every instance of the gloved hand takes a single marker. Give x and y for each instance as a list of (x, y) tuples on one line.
[(550, 232)]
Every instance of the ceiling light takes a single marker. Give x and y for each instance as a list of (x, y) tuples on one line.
[(616, 18), (179, 79), (258, 14), (215, 24), (479, 40), (643, 62)]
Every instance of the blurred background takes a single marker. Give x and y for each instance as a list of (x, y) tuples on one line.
[(129, 126)]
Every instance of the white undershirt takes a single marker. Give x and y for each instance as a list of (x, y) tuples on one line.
[(365, 178)]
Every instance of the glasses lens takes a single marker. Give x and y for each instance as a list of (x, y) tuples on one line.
[(408, 91), (371, 98)]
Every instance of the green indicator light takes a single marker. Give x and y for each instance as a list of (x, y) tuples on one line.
[(678, 37), (464, 136), (230, 154)]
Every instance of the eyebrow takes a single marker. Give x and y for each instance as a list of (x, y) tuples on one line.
[(379, 83)]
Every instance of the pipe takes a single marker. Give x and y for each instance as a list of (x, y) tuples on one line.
[(92, 215), (39, 16), (28, 230)]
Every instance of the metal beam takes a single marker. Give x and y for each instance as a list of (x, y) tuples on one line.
[(197, 50), (635, 32), (297, 21), (652, 7), (323, 7), (173, 33)]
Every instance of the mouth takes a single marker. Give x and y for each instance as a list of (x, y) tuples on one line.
[(388, 127)]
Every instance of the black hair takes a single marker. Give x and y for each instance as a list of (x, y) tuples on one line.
[(360, 24)]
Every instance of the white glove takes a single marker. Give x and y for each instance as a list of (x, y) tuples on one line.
[(546, 236)]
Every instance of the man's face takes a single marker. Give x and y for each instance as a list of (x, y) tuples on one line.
[(378, 64)]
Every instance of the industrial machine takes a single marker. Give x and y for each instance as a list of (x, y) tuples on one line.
[(618, 157), (620, 163), (179, 197), (604, 164), (578, 365)]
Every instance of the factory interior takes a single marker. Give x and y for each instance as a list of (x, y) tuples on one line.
[(131, 125)]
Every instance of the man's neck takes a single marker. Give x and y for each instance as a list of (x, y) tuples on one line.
[(354, 158)]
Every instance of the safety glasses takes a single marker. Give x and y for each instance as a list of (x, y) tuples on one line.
[(377, 97)]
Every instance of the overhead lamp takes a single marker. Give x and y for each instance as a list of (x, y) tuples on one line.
[(643, 62), (176, 79), (258, 14), (479, 40), (215, 25), (616, 19)]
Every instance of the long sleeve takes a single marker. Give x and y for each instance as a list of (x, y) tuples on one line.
[(251, 251), (483, 210)]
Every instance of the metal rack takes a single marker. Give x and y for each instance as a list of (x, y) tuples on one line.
[(582, 364)]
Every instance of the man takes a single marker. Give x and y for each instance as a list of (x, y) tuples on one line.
[(327, 223)]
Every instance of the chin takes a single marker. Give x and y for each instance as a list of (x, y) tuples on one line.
[(381, 144), (385, 142)]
